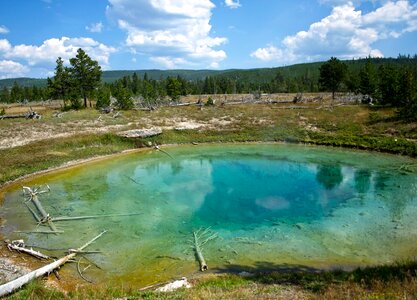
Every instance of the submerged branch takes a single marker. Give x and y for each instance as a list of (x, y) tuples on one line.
[(58, 219)]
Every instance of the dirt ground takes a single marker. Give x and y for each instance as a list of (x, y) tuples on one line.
[(56, 124)]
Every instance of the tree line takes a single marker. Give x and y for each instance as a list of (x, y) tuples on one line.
[(385, 81), (389, 84)]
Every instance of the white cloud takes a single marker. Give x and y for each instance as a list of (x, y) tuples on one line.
[(173, 32), (51, 49), (95, 27), (168, 62), (399, 14), (232, 3), (4, 29), (345, 33), (10, 69), (4, 46)]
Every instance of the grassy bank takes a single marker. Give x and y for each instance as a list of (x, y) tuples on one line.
[(385, 282)]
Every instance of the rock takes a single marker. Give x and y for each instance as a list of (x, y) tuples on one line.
[(177, 284), (140, 133)]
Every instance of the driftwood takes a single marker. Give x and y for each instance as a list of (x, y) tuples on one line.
[(201, 237), (11, 286), (59, 219), (19, 246), (32, 195), (29, 115), (163, 151)]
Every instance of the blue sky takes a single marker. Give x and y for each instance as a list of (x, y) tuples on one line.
[(200, 34)]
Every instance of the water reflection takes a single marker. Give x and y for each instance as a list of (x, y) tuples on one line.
[(278, 204), (362, 180), (330, 176)]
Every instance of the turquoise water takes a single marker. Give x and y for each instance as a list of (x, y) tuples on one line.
[(272, 206)]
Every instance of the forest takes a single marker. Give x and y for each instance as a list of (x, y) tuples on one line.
[(385, 80)]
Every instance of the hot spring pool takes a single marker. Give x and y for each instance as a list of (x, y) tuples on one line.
[(272, 206)]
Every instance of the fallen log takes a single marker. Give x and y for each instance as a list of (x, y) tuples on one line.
[(33, 197), (13, 285), (19, 246), (59, 219), (199, 253), (201, 237), (39, 232)]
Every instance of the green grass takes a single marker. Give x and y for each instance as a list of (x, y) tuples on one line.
[(19, 161), (386, 282)]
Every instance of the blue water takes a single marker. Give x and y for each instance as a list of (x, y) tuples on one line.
[(272, 206)]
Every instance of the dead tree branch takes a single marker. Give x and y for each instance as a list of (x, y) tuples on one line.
[(13, 285), (201, 237)]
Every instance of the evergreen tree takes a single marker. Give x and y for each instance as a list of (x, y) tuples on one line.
[(368, 82), (62, 85), (123, 97), (5, 95), (135, 84), (16, 93), (388, 85), (103, 97), (407, 96), (173, 88), (86, 74), (332, 74)]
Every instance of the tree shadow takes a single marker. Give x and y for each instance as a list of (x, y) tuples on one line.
[(315, 280)]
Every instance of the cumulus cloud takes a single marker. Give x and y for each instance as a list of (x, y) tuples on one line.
[(4, 46), (400, 14), (9, 69), (3, 29), (95, 27), (19, 59), (232, 3), (173, 32), (65, 47), (345, 33)]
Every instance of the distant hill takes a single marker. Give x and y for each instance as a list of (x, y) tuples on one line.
[(311, 70), (23, 81)]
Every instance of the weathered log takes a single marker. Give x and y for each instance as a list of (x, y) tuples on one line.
[(33, 197), (201, 237), (199, 253), (40, 232), (13, 285), (19, 246), (59, 219)]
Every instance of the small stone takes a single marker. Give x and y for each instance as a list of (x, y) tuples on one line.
[(299, 226)]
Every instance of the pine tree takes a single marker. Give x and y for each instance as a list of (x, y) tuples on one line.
[(388, 85), (368, 82), (86, 74), (332, 74)]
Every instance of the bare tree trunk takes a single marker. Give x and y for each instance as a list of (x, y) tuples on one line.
[(11, 286)]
